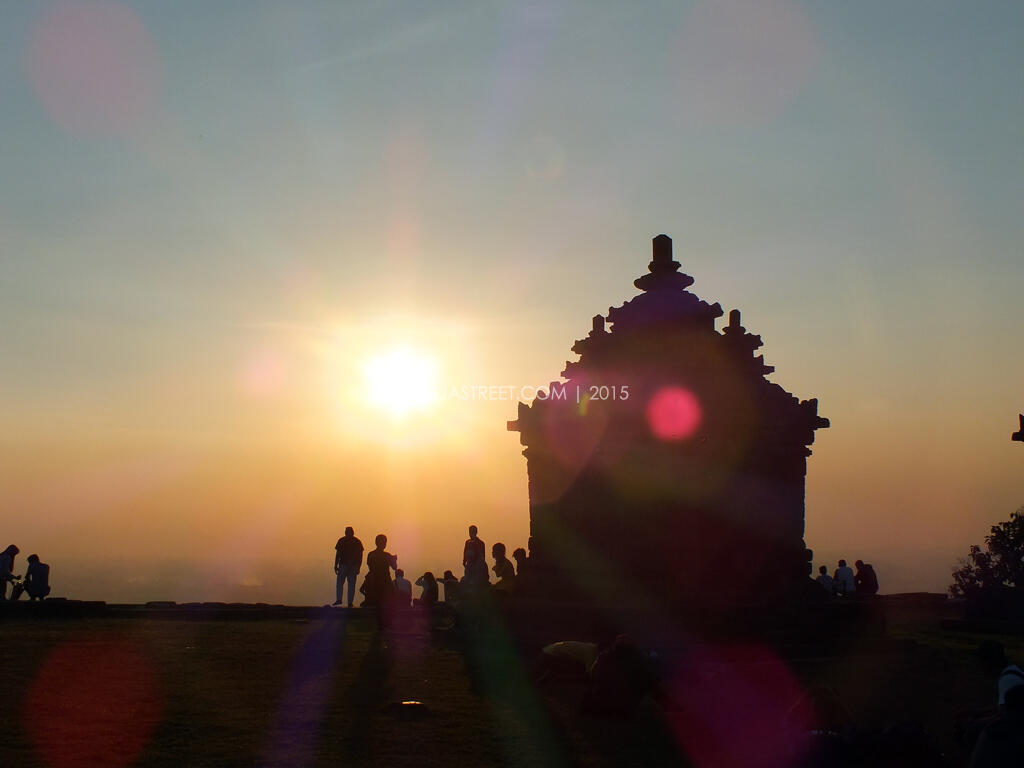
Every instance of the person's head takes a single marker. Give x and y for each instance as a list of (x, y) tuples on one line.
[(842, 563), (399, 572), (823, 570), (472, 531), (33, 558), (349, 531), (11, 550), (993, 657), (448, 575), (498, 551), (429, 577), (519, 554), (381, 541), (859, 564)]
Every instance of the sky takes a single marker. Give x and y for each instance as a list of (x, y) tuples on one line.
[(214, 216)]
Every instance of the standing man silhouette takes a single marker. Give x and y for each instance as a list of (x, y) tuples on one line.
[(474, 561), (348, 559), (7, 569)]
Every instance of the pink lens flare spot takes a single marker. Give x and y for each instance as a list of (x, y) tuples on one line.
[(738, 706), (93, 66), (264, 373), (95, 701), (673, 413)]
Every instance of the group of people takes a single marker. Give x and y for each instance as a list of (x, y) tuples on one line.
[(847, 583), (379, 587), (36, 583)]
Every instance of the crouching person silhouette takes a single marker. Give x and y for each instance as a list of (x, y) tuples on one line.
[(36, 583), (37, 580)]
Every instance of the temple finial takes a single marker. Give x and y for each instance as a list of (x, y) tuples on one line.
[(664, 271), (662, 247)]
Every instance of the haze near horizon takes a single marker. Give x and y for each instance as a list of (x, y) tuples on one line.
[(223, 227)]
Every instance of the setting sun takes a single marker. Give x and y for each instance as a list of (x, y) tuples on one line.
[(401, 380)]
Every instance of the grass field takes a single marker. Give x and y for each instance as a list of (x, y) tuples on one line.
[(230, 693)]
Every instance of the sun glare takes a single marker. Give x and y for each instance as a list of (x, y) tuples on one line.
[(401, 380)]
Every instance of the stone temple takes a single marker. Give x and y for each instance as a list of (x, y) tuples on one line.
[(666, 467)]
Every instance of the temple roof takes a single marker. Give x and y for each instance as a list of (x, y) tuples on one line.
[(665, 299)]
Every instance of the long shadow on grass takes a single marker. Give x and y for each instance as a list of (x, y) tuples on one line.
[(366, 696), (522, 725), (300, 715)]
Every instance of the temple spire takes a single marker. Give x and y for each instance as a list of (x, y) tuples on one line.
[(664, 272)]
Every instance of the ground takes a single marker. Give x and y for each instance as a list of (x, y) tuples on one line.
[(150, 692)]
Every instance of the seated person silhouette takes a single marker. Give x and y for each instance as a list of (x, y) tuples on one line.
[(7, 569), (378, 587), (452, 587), (1001, 742), (403, 588), (865, 579), (428, 597), (843, 578), (37, 579), (827, 583), (619, 679), (1009, 692), (519, 555), (504, 571), (568, 659)]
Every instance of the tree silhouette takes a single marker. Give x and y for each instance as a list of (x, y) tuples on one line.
[(1000, 564)]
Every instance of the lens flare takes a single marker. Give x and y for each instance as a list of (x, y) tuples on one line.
[(735, 708), (673, 413), (95, 701), (94, 67)]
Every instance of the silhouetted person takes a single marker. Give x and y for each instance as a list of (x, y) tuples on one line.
[(827, 582), (865, 579), (620, 677), (1019, 435), (1009, 692), (519, 555), (378, 587), (843, 578), (823, 728), (403, 589), (7, 569), (1001, 743), (37, 579), (348, 559), (452, 587), (474, 558), (504, 571), (428, 597), (1008, 676)]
